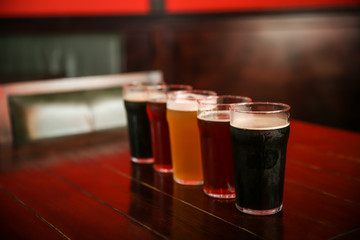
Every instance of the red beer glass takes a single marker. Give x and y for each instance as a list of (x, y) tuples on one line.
[(216, 150), (156, 109)]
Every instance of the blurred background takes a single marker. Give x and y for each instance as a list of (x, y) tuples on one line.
[(304, 53)]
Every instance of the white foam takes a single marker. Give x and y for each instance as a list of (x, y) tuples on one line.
[(182, 105), (259, 121), (215, 116), (185, 102), (136, 96), (156, 97)]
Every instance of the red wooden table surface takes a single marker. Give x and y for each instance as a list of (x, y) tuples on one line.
[(84, 187)]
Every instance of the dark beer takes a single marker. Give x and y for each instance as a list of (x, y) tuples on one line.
[(160, 136), (259, 134), (217, 156), (259, 166), (139, 131)]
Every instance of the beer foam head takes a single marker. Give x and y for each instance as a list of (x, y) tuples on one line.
[(136, 97), (215, 116), (186, 100), (259, 122), (259, 116), (217, 108), (156, 97), (159, 93), (137, 92)]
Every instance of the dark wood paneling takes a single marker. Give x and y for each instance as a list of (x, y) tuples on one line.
[(309, 60)]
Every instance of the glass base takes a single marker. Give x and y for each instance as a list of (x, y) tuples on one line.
[(220, 195), (259, 212), (158, 168), (142, 160), (186, 182)]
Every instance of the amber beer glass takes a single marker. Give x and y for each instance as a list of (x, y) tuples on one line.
[(135, 99), (184, 135), (259, 134), (216, 151), (156, 109)]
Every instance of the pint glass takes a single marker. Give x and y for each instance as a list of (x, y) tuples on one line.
[(184, 135), (216, 151), (259, 134), (156, 109), (135, 99)]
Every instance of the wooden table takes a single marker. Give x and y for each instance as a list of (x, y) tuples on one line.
[(85, 187)]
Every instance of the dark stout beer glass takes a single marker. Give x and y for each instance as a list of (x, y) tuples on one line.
[(259, 134), (156, 109), (135, 99), (216, 151)]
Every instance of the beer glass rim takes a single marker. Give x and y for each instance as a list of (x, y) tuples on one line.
[(169, 86), (206, 101), (158, 93), (208, 93), (281, 107), (141, 85)]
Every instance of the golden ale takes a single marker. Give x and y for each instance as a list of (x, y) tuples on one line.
[(184, 135)]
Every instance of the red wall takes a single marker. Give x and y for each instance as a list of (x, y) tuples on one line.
[(45, 8), (184, 6)]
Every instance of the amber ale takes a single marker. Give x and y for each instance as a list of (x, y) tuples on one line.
[(216, 149), (259, 151), (156, 109), (160, 136)]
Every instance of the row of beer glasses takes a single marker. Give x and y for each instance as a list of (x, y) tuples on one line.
[(227, 143)]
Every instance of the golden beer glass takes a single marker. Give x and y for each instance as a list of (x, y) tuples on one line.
[(181, 115)]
